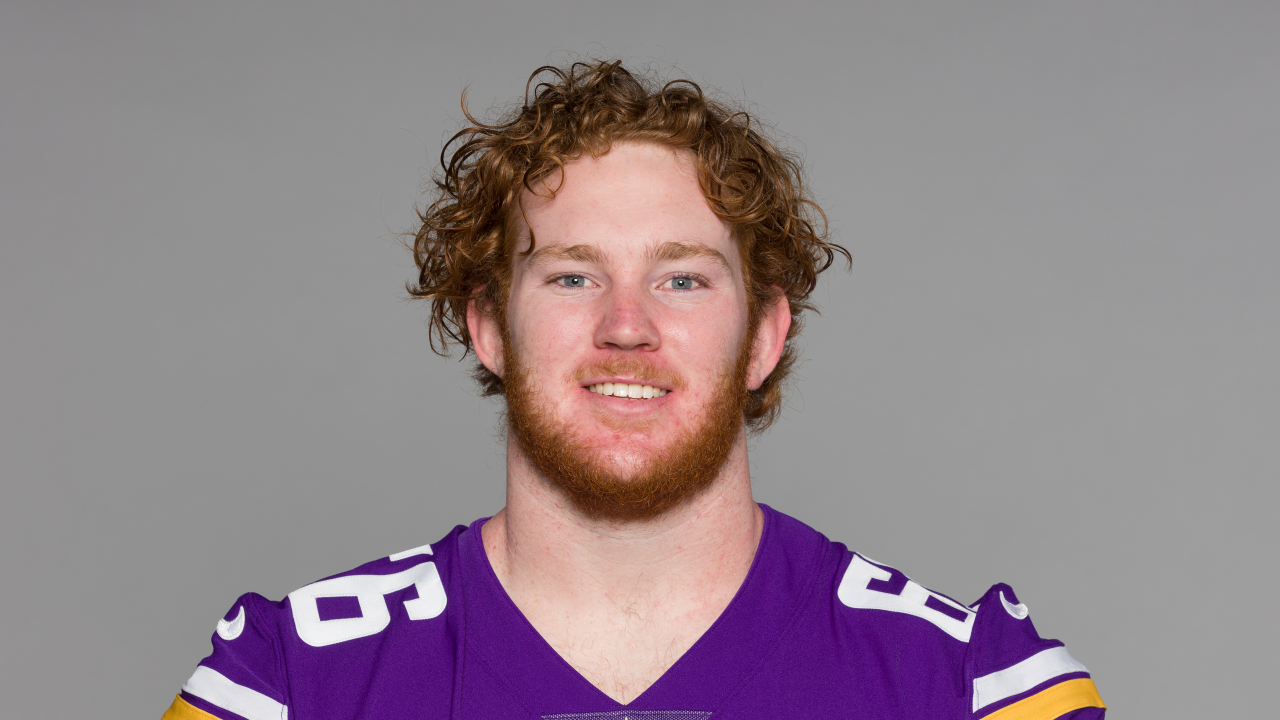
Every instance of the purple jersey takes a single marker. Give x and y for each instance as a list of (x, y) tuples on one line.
[(815, 631)]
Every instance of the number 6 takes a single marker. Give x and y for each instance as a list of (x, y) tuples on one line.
[(374, 614)]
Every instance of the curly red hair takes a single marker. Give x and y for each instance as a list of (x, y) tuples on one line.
[(465, 244)]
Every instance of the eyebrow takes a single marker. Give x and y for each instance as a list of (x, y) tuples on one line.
[(579, 253), (668, 251), (683, 251)]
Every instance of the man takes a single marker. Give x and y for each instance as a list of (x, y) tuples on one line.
[(629, 263)]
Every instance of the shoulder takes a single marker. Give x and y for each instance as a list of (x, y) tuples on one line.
[(1017, 673), (865, 584), (857, 583), (363, 601), (358, 603), (998, 662), (262, 649)]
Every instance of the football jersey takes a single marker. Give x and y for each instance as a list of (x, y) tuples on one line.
[(815, 631)]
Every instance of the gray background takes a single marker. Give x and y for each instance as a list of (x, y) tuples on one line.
[(1053, 364)]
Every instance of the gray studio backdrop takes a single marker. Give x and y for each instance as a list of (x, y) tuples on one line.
[(1054, 363)]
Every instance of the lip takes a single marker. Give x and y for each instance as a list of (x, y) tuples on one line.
[(621, 407), (625, 406), (625, 381)]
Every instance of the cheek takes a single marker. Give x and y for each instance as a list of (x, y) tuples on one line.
[(545, 334), (708, 340)]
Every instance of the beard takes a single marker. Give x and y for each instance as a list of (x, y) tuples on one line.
[(660, 482)]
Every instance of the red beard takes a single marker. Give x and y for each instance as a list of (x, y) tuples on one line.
[(673, 476)]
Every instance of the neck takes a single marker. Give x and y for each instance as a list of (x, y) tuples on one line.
[(585, 582), (541, 541)]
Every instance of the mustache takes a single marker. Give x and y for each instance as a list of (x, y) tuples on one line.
[(630, 367)]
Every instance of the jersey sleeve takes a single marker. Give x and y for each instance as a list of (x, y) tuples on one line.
[(1018, 675), (242, 679)]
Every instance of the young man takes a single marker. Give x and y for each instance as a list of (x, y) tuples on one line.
[(629, 263)]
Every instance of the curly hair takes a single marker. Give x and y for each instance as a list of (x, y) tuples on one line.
[(465, 245)]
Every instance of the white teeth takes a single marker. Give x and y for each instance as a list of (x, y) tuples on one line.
[(627, 390)]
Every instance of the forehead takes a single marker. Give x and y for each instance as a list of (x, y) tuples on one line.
[(636, 197)]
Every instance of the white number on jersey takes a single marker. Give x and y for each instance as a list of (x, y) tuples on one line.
[(374, 614), (876, 587)]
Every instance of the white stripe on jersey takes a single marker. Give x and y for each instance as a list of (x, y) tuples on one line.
[(212, 686), (420, 550), (1044, 665)]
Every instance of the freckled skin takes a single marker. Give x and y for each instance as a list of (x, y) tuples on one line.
[(629, 304), (622, 601)]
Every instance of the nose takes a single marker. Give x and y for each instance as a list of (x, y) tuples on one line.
[(626, 322)]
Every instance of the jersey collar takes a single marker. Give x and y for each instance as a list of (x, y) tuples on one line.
[(782, 575)]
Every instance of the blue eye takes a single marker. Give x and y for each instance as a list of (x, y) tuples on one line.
[(682, 283), (573, 281)]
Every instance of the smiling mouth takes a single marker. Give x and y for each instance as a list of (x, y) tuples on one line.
[(625, 390)]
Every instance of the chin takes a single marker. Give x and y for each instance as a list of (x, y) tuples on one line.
[(624, 466)]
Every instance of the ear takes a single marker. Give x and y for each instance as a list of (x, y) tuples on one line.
[(771, 340), (486, 336)]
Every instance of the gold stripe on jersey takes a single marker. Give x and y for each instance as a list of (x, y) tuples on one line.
[(183, 710), (1052, 702)]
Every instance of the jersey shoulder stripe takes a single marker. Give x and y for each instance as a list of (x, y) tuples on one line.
[(1023, 676), (1018, 675), (183, 710), (1053, 702), (214, 687)]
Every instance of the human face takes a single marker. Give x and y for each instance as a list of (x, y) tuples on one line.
[(632, 281)]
